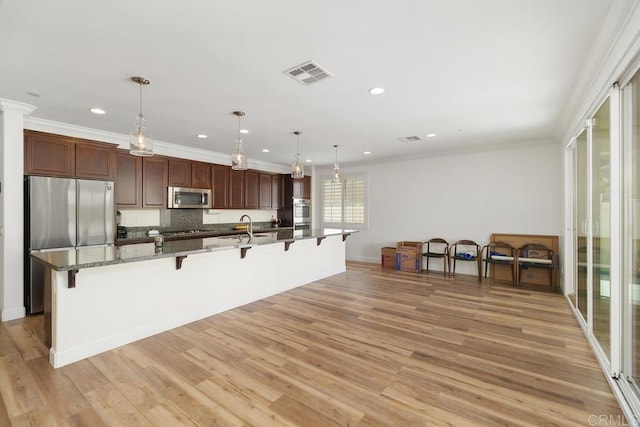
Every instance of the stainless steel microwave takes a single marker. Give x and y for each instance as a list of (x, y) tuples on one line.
[(192, 198)]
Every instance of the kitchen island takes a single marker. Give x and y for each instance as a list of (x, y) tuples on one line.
[(99, 298)]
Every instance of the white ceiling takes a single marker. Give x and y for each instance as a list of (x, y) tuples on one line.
[(473, 72)]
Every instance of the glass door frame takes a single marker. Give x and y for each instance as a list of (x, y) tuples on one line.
[(625, 274), (610, 363)]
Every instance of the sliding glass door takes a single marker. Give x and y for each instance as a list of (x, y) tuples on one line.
[(581, 179), (591, 225), (631, 241), (600, 227)]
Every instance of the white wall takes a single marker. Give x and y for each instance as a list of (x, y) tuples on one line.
[(462, 196), (11, 209)]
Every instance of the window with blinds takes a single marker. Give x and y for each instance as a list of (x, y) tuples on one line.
[(344, 204)]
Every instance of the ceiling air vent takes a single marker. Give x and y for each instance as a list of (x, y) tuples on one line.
[(410, 139), (308, 73)]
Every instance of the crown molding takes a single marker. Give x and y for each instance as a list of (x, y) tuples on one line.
[(159, 147), (21, 107)]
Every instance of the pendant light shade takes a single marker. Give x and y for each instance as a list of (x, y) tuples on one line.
[(337, 173), (238, 157), (140, 142), (297, 168)]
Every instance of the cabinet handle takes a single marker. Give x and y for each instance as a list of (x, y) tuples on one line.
[(596, 227)]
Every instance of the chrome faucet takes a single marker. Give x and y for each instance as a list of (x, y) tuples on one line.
[(250, 229)]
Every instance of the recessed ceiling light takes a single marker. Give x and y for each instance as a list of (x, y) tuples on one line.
[(243, 131), (376, 90), (265, 150), (308, 160), (431, 135), (96, 110), (201, 136), (366, 152)]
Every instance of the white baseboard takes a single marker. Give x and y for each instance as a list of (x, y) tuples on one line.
[(13, 313)]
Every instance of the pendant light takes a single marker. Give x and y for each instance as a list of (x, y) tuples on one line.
[(140, 143), (238, 158), (337, 173), (297, 168)]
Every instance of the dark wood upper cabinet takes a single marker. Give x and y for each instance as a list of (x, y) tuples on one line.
[(221, 184), (252, 189), (95, 160), (236, 189), (265, 191), (49, 155), (302, 188), (276, 191), (200, 175), (180, 172), (128, 180), (154, 182)]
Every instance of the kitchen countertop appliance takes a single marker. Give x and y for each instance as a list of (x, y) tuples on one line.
[(63, 213)]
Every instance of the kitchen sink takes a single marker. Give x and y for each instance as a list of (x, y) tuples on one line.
[(257, 237)]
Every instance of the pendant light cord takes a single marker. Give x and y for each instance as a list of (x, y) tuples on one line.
[(140, 84)]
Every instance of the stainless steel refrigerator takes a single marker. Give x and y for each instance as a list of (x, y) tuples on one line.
[(63, 213)]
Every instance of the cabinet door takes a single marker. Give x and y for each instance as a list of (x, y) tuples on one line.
[(180, 173), (49, 155), (200, 175), (305, 192), (236, 189), (252, 190), (265, 191), (276, 191), (221, 186), (154, 182), (128, 180), (95, 161), (302, 188)]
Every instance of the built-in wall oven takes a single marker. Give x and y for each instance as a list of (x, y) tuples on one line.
[(301, 211), (301, 215)]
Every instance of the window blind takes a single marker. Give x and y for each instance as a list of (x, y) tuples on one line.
[(344, 202)]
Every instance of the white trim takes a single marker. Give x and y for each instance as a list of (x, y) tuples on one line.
[(615, 230), (25, 109), (13, 313)]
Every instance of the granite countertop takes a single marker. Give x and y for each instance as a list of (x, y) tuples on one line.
[(142, 237), (97, 256)]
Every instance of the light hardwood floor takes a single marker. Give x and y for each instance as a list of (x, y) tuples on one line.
[(367, 347)]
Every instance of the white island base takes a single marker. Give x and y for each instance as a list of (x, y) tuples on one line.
[(117, 304)]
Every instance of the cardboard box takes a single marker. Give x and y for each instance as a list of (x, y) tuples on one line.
[(388, 257), (409, 256)]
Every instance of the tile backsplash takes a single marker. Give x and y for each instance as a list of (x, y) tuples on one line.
[(189, 219)]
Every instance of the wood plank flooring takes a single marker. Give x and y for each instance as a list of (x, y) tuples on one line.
[(363, 348)]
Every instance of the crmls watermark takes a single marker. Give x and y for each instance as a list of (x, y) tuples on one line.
[(611, 420)]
